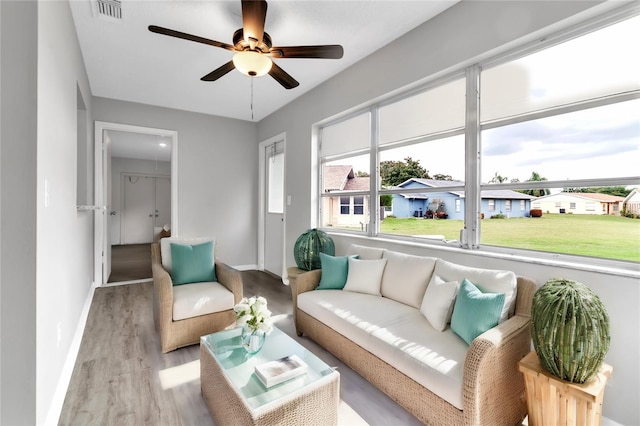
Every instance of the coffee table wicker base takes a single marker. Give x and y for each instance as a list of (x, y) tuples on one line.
[(315, 404)]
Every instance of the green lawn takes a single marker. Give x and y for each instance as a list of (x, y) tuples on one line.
[(611, 237)]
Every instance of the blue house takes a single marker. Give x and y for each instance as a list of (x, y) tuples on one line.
[(450, 204)]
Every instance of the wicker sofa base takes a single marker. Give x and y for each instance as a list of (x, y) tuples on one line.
[(415, 398)]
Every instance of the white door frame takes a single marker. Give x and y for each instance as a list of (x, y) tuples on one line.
[(101, 213), (262, 204)]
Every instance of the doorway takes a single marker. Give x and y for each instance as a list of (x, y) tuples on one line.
[(271, 227), (143, 146), (145, 208)]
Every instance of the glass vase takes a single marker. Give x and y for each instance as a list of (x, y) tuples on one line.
[(252, 340)]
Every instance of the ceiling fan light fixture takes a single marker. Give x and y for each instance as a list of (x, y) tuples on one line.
[(251, 63)]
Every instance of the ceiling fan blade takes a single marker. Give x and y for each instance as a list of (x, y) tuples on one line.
[(254, 14), (330, 51), (282, 77), (219, 72), (190, 37)]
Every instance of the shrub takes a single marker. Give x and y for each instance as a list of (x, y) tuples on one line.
[(535, 212), (498, 216)]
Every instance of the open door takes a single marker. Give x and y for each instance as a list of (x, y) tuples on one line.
[(102, 234)]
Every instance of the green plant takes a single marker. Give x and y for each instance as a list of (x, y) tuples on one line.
[(308, 247), (570, 330)]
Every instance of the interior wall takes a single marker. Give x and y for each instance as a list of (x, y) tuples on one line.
[(460, 36), (18, 143), (129, 165), (64, 234), (217, 173)]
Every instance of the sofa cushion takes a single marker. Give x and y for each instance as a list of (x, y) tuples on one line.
[(437, 303), (396, 333), (192, 300), (192, 263), (365, 276), (364, 252), (334, 272), (165, 248), (406, 277), (490, 280), (475, 311)]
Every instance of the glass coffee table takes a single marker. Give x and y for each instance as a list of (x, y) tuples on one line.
[(235, 395)]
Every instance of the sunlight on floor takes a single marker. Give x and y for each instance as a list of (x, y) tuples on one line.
[(348, 417), (180, 374)]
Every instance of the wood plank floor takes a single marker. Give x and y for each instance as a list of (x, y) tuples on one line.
[(130, 262), (122, 378)]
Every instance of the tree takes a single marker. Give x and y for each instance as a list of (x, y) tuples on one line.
[(535, 177), (498, 178), (362, 174), (440, 176), (393, 173), (386, 200)]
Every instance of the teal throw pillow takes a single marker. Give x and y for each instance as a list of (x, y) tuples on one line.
[(475, 312), (192, 263), (334, 271)]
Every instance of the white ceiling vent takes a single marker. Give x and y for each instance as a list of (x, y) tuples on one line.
[(109, 9)]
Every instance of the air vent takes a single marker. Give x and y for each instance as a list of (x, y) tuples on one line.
[(109, 9)]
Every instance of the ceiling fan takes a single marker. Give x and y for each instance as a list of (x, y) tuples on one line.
[(254, 48)]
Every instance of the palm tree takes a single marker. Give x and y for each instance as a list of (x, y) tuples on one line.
[(498, 179), (535, 177)]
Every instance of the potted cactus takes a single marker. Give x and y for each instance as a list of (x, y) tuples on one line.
[(308, 247), (570, 330)]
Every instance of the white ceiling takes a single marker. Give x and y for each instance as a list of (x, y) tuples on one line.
[(125, 61)]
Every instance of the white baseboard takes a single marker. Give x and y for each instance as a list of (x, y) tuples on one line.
[(55, 409), (245, 267)]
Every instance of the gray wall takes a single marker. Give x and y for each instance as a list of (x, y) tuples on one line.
[(462, 35), (18, 142), (46, 245), (217, 173)]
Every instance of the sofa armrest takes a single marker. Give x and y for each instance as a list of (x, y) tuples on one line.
[(491, 376), (231, 278), (306, 281)]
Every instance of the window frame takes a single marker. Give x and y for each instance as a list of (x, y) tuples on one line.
[(470, 234)]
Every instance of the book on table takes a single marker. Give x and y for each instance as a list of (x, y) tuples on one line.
[(275, 372)]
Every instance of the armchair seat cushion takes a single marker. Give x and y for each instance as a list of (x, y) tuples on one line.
[(192, 300)]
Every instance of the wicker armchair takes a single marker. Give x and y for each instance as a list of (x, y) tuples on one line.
[(185, 332)]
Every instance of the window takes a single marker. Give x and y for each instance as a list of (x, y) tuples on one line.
[(358, 205), (345, 204), (556, 118)]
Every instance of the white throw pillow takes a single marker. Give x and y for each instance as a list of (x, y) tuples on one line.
[(437, 304), (365, 253), (489, 280), (365, 276), (406, 277), (165, 248)]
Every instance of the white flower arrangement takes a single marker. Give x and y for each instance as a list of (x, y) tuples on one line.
[(253, 313)]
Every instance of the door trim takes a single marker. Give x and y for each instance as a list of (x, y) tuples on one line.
[(262, 204), (101, 217)]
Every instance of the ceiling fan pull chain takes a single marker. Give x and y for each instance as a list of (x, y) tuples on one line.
[(251, 98)]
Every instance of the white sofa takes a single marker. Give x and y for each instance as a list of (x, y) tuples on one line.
[(390, 323)]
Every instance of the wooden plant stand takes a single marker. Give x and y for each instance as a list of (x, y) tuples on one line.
[(553, 401)]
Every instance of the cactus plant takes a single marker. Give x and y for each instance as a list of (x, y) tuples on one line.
[(308, 247), (570, 330)]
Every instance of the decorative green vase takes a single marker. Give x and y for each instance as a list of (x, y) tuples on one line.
[(308, 247), (570, 330)]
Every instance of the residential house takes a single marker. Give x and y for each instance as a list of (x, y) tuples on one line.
[(503, 201), (631, 203), (580, 203), (344, 210), (47, 245)]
